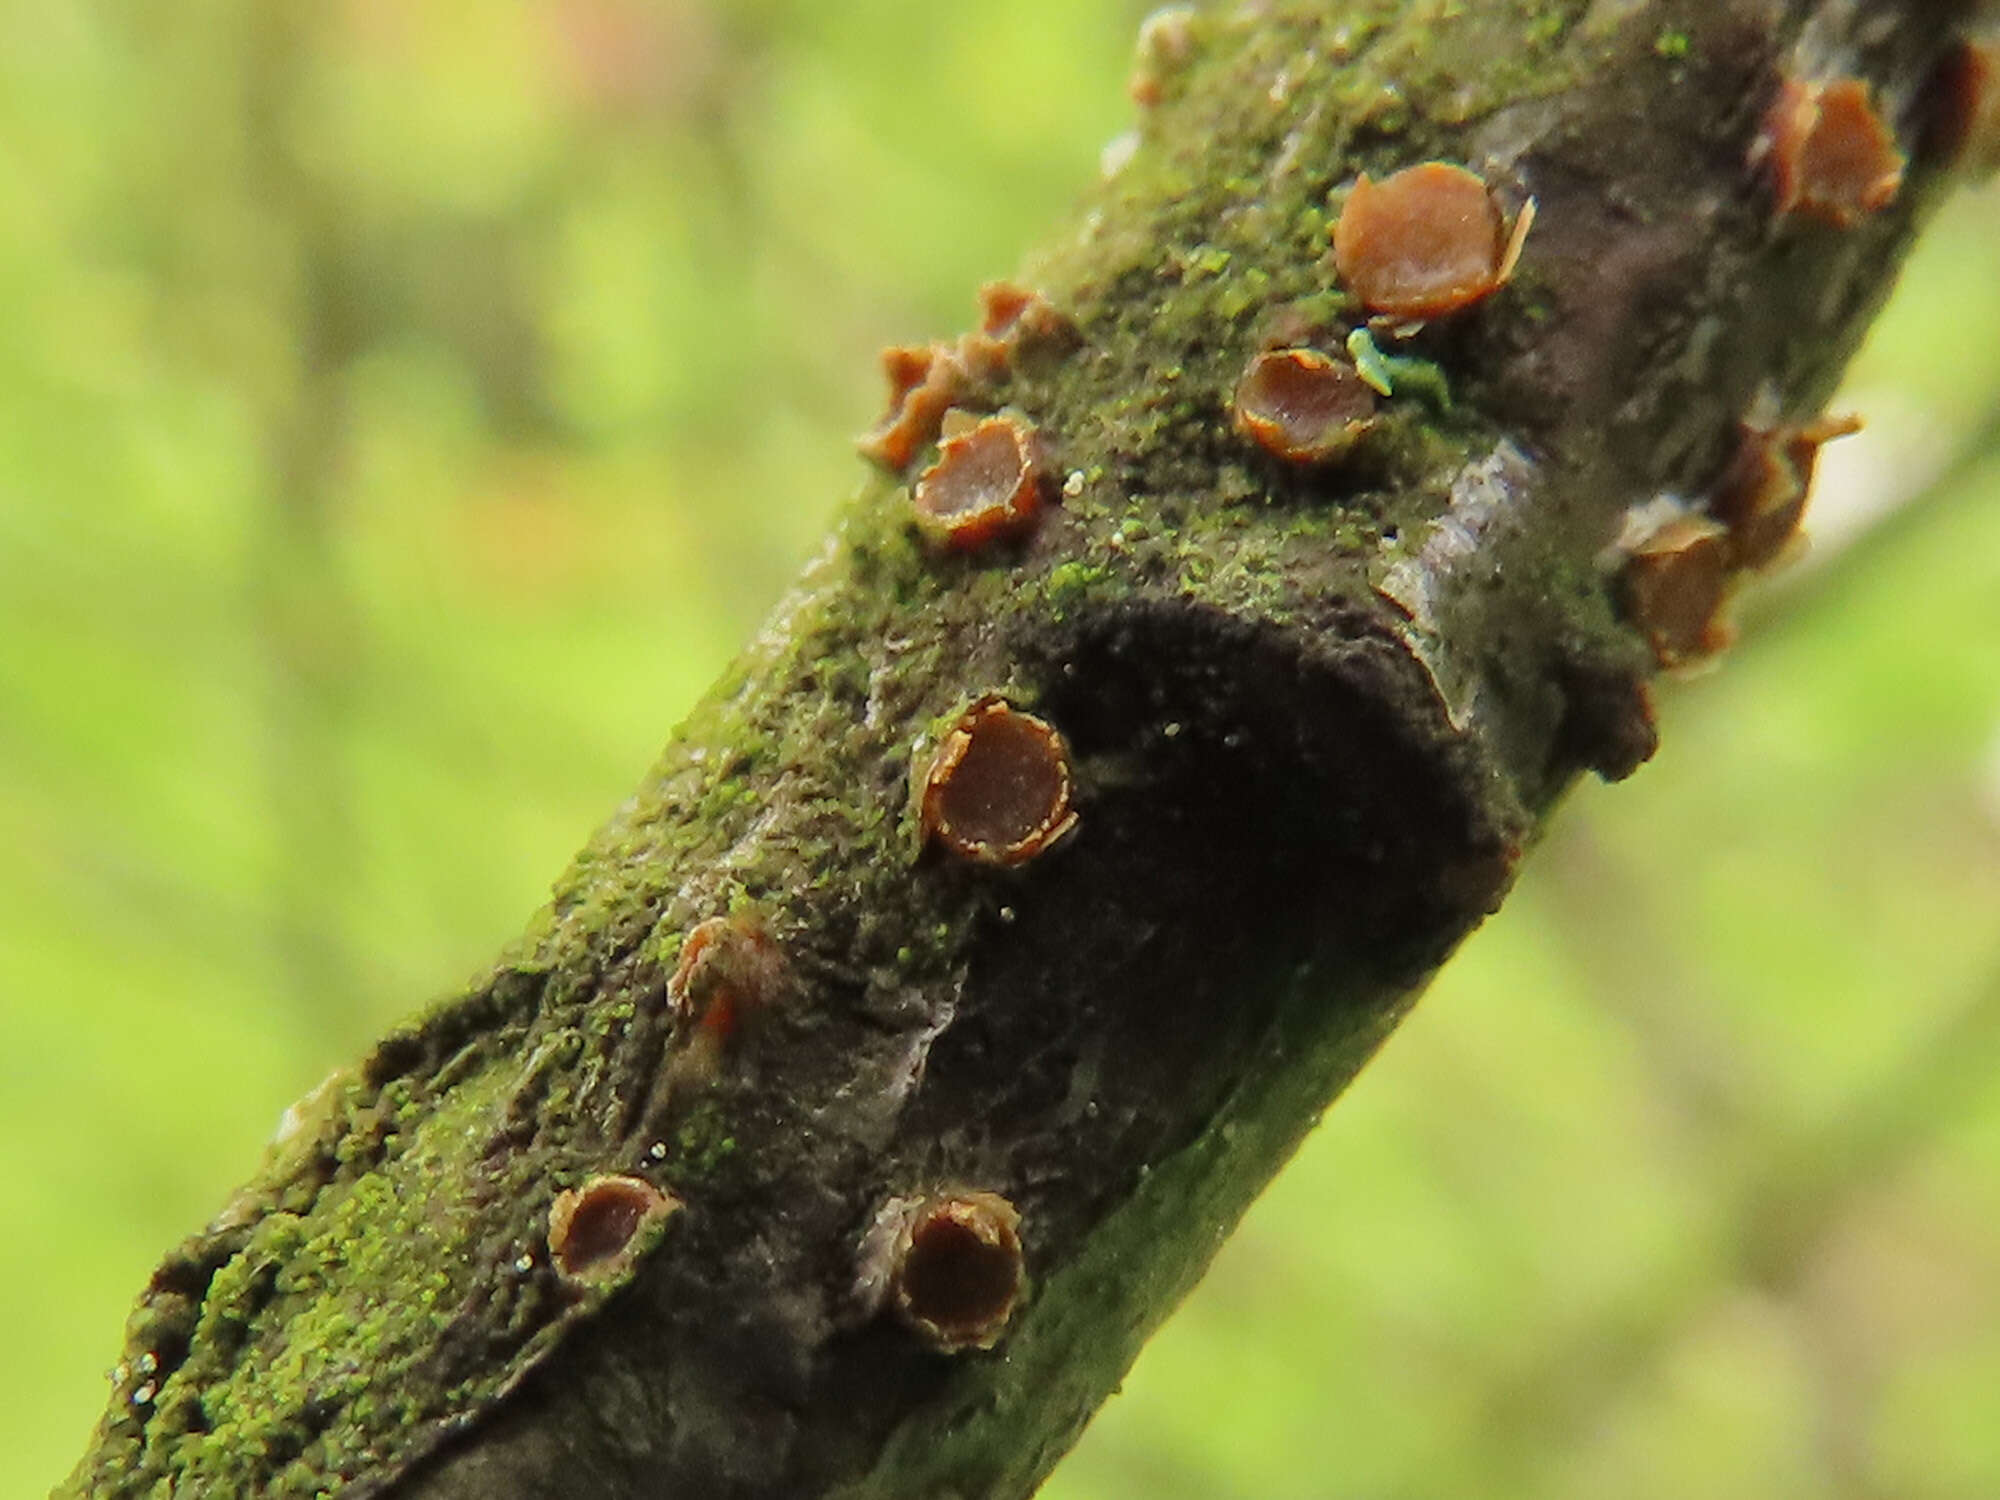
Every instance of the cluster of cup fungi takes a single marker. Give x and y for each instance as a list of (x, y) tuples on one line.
[(1421, 244), (1828, 156)]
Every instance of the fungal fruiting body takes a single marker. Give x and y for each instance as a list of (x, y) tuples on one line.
[(1166, 42), (728, 971), (594, 1228), (1425, 241), (1829, 153), (1302, 406), (728, 967), (1761, 497), (1015, 320), (957, 1270), (928, 381), (923, 385), (986, 486), (998, 790), (1676, 588), (1609, 721), (1968, 93)]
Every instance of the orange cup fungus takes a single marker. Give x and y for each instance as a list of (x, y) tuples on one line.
[(1019, 319), (986, 486), (927, 382), (1302, 406), (923, 384), (1762, 495), (998, 791), (1426, 241), (593, 1228), (1676, 587), (1828, 152), (958, 1270), (1013, 321)]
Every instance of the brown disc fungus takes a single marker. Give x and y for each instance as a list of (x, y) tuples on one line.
[(986, 485), (1967, 91), (998, 791), (1676, 587), (957, 1270), (1828, 152), (1761, 497), (923, 384), (1425, 241), (1302, 405), (593, 1228), (728, 968)]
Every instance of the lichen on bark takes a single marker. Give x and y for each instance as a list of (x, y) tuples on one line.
[(1316, 714)]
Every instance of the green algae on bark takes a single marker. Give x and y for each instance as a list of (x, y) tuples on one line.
[(1315, 718)]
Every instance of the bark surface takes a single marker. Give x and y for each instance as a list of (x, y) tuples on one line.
[(1314, 716)]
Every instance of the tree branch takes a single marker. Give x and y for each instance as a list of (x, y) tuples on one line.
[(713, 1187)]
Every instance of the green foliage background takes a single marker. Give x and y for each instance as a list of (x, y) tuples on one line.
[(405, 410)]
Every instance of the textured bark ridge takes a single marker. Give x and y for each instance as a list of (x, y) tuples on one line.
[(771, 1041)]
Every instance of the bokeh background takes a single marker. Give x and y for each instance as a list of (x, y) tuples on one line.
[(406, 409)]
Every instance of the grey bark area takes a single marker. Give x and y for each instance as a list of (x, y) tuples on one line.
[(1310, 717)]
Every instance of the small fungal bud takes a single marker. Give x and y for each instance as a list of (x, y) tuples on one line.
[(728, 969), (1676, 588), (1828, 152), (594, 1228), (1476, 883), (1609, 723), (1762, 495), (1426, 241), (957, 1270), (1166, 42), (923, 385), (1303, 406), (1021, 318), (998, 790), (1967, 91), (987, 485), (1015, 323)]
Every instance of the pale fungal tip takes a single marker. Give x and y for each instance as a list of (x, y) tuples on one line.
[(1166, 42), (1426, 241), (1303, 406), (999, 789), (1828, 152), (593, 1228), (957, 1270), (1117, 154), (986, 486)]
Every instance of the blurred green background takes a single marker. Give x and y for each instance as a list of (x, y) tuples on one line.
[(405, 410)]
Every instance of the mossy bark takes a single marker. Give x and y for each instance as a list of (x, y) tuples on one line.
[(1316, 716)]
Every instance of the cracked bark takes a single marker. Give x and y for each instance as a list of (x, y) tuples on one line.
[(1315, 716)]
